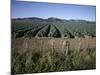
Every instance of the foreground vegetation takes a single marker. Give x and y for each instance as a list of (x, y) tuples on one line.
[(36, 61)]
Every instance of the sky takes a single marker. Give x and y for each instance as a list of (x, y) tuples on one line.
[(22, 9)]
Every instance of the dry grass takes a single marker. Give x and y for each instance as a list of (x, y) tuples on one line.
[(53, 43), (36, 55)]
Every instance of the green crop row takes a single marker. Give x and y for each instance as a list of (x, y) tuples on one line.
[(53, 29)]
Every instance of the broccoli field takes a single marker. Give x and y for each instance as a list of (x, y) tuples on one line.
[(52, 27)]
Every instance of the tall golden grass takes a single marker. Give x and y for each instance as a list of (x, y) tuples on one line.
[(37, 55)]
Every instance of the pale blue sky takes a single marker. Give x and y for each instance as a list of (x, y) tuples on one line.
[(21, 9)]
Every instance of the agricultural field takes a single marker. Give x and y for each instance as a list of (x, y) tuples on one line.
[(52, 27), (52, 45)]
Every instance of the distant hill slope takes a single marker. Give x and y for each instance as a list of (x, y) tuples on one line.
[(52, 27)]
